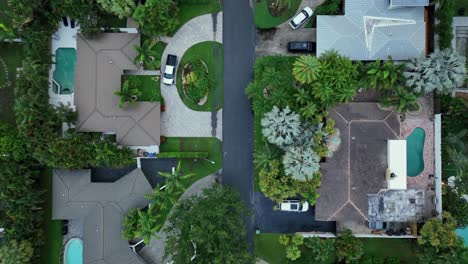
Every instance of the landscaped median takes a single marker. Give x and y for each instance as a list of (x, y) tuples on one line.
[(200, 78)]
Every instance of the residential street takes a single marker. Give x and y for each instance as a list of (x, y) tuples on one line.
[(239, 53)]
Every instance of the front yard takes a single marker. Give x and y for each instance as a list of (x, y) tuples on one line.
[(190, 9), (265, 20), (268, 249)]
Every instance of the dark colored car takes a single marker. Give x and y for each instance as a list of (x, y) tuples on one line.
[(302, 46)]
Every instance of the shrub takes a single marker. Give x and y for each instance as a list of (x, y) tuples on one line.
[(329, 7), (321, 249), (444, 13), (292, 243), (380, 75), (198, 81), (183, 155), (400, 98), (12, 144), (275, 185), (306, 69), (17, 252), (301, 163), (120, 8), (157, 17)]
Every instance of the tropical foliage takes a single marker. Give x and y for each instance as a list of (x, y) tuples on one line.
[(329, 7), (444, 14), (348, 248), (120, 8), (401, 98), (157, 17), (301, 163), (209, 229), (320, 248), (17, 252), (281, 127), (380, 75), (146, 54), (127, 94), (443, 71), (12, 145), (440, 243), (306, 69), (292, 244)]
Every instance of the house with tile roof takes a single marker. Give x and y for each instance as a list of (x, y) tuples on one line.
[(375, 29), (101, 62)]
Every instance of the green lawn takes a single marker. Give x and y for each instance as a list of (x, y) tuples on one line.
[(264, 19), (148, 86), (204, 51), (52, 248), (188, 10), (11, 53), (268, 249), (159, 49), (459, 4)]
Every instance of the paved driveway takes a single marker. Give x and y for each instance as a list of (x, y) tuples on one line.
[(268, 220), (151, 167)]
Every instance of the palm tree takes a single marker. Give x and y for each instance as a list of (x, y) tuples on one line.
[(306, 69), (147, 225), (162, 199), (173, 179), (145, 52), (127, 94)]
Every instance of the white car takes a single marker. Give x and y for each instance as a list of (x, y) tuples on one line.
[(294, 206), (169, 70), (301, 17)]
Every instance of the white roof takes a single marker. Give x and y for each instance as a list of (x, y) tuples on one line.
[(396, 155)]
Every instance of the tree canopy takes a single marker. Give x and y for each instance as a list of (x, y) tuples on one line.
[(157, 17), (209, 229)]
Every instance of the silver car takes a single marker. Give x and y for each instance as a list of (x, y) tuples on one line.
[(294, 206)]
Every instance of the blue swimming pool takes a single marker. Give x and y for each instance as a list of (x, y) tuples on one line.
[(415, 152), (463, 233), (64, 74), (74, 251)]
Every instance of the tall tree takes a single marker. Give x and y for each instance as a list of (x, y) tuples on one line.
[(443, 71), (281, 127), (157, 17), (127, 94), (306, 69), (147, 225), (120, 8), (348, 248), (146, 54), (15, 252), (301, 163), (174, 179), (209, 229)]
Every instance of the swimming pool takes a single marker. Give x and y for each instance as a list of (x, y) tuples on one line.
[(415, 152), (74, 251), (64, 74), (463, 233)]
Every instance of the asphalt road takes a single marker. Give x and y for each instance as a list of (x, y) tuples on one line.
[(238, 139)]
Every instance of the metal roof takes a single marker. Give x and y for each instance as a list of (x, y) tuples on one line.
[(100, 65), (406, 3), (102, 207), (369, 30)]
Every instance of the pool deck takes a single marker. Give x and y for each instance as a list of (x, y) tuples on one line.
[(65, 37), (423, 119)]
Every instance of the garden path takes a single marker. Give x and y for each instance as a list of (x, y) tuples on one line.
[(178, 120), (275, 41), (154, 252)]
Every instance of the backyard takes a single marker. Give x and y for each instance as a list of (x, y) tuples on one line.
[(10, 58), (264, 19), (268, 249), (210, 53)]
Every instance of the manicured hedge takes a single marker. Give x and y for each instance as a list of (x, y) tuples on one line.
[(444, 13), (183, 155)]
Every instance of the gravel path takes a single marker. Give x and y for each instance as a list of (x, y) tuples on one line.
[(154, 252), (178, 120)]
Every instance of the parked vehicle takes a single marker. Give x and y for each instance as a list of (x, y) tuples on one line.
[(301, 17), (302, 46), (294, 206), (169, 70)]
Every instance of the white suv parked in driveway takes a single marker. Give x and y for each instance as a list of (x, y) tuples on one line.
[(294, 206), (301, 17), (169, 70)]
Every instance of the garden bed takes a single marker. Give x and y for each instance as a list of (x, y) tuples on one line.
[(158, 50), (196, 82), (264, 19), (204, 51)]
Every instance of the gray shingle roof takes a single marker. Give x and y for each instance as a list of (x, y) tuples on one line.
[(102, 207), (369, 30), (100, 64)]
